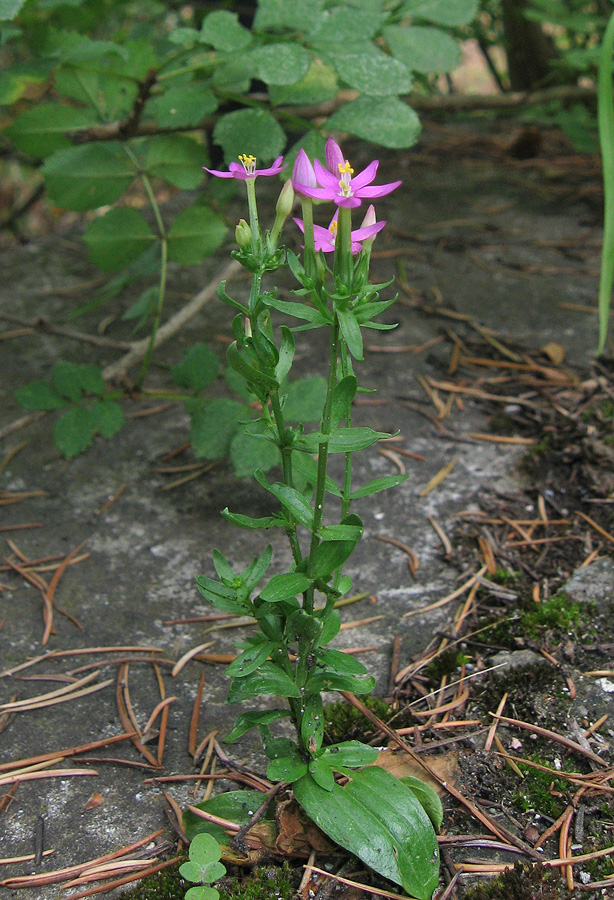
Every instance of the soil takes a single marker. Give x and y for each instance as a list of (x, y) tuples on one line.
[(497, 265)]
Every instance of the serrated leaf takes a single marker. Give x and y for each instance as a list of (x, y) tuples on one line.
[(299, 15), (41, 130), (213, 426), (388, 122), (183, 106), (108, 417), (379, 820), (39, 395), (74, 431), (196, 233), (223, 31), (253, 131), (283, 587), (378, 484), (281, 63), (318, 85), (199, 367), (177, 159), (88, 176), (249, 720), (118, 238), (268, 679), (442, 12), (423, 49), (374, 74)]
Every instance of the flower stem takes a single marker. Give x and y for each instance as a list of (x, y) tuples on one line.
[(250, 184), (286, 463), (343, 265), (310, 249)]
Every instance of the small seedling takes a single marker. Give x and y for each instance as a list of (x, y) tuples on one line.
[(203, 868)]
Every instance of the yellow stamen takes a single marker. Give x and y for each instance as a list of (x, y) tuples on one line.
[(345, 168), (248, 162), (333, 228)]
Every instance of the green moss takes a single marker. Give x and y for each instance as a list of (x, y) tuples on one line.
[(343, 722), (262, 884), (538, 791), (520, 883), (502, 575), (446, 663), (540, 449), (559, 613)]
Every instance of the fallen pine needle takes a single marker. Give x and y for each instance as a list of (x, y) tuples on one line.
[(394, 458), (188, 656), (456, 593), (438, 478), (500, 439), (7, 861), (493, 727), (553, 736), (127, 880), (65, 697), (37, 776), (412, 560), (363, 887), (597, 527)]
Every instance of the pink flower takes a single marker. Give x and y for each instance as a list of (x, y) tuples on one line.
[(324, 238), (247, 169), (303, 173), (339, 185)]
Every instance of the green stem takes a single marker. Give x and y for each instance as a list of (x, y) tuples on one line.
[(325, 430), (250, 184), (310, 250), (157, 313), (343, 265), (347, 481), (286, 464), (605, 118)]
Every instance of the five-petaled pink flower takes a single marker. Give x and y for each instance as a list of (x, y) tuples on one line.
[(324, 238), (339, 185), (247, 169)]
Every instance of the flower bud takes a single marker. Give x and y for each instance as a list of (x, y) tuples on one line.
[(370, 217), (303, 173), (285, 201), (243, 235)]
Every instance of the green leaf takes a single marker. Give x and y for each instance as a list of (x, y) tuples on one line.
[(248, 661), (236, 806), (286, 354), (213, 426), (74, 431), (108, 417), (184, 106), (10, 8), (426, 50), (202, 892), (88, 176), (378, 484), (177, 159), (305, 400), (15, 80), (114, 94), (199, 367), (350, 329), (118, 238), (331, 628), (340, 663), (319, 85), (143, 308), (234, 75), (442, 12), (223, 31), (379, 820), (340, 28), (196, 233), (350, 754), (428, 798), (249, 720), (312, 725), (340, 533), (281, 63), (252, 375), (242, 521), (374, 74), (331, 555), (190, 870), (65, 379), (322, 773), (286, 768), (388, 122), (41, 130), (253, 131), (344, 393), (299, 15), (294, 502), (343, 440), (39, 394), (268, 679), (283, 587), (357, 684), (220, 596)]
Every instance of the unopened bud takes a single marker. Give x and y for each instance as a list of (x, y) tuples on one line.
[(370, 217), (285, 201), (243, 235)]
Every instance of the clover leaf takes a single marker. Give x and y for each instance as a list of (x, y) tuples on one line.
[(203, 868)]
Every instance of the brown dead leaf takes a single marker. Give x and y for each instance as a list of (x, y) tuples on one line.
[(95, 800), (400, 765), (298, 836), (555, 352)]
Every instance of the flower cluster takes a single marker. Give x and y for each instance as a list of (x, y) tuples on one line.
[(336, 183)]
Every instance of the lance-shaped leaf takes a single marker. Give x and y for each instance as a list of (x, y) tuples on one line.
[(343, 395), (286, 354), (242, 521), (248, 661), (251, 374), (294, 502), (220, 596), (379, 820), (349, 754), (268, 679), (428, 797), (342, 440), (377, 485), (246, 721), (283, 587)]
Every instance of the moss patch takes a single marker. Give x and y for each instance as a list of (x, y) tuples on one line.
[(559, 613), (343, 722), (519, 883), (540, 791), (262, 884)]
